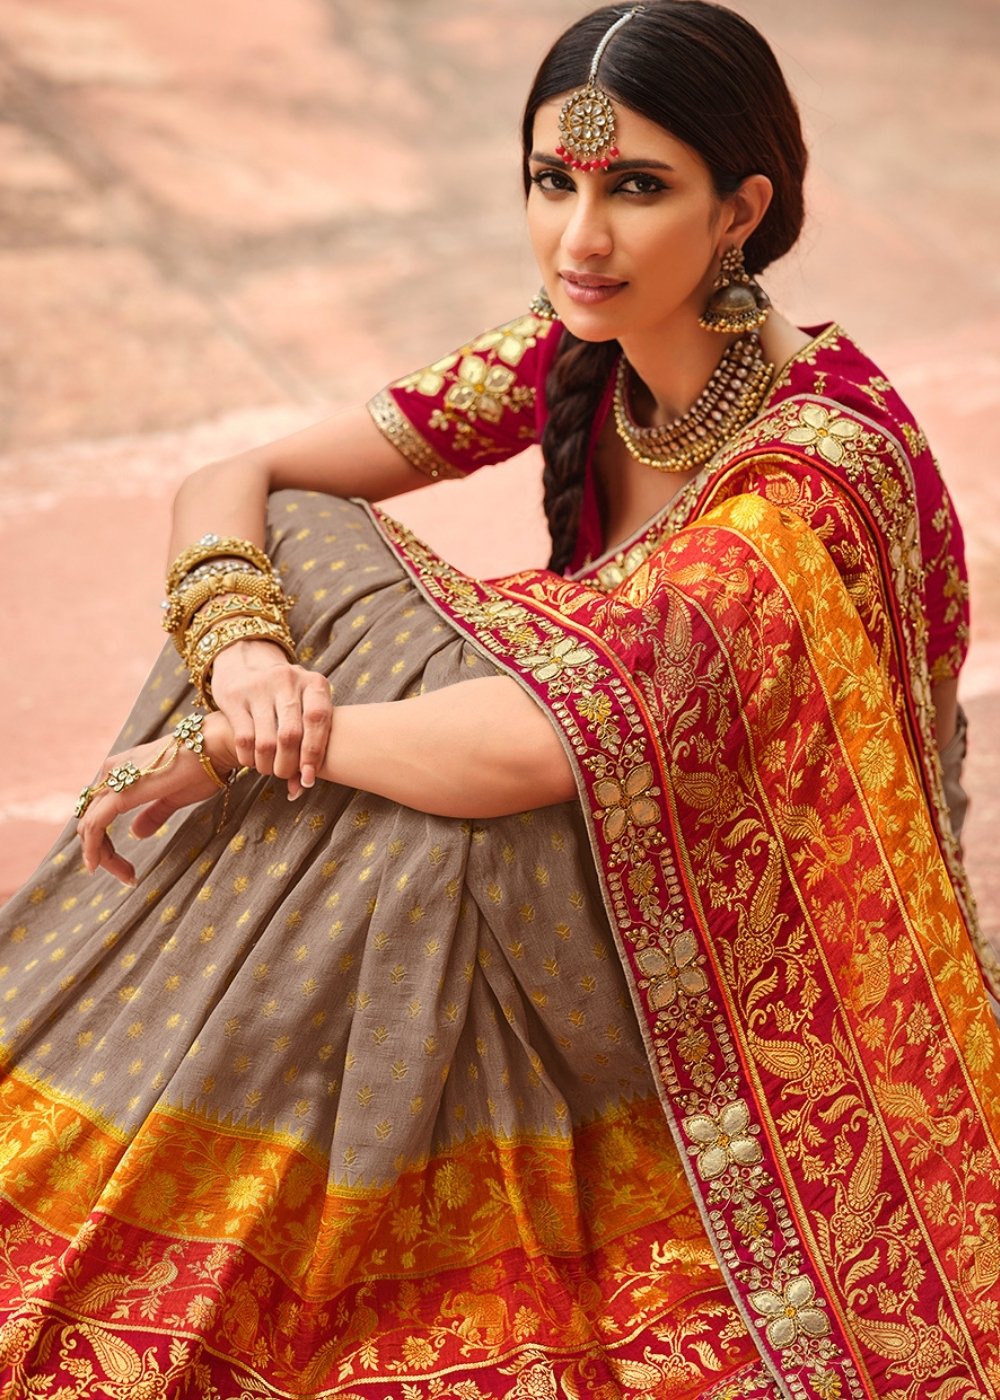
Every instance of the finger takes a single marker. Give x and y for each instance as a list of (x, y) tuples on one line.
[(265, 736), (244, 734), (116, 865), (111, 803), (149, 820), (317, 717), (289, 738), (93, 827)]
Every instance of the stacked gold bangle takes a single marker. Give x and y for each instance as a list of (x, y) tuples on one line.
[(214, 547), (188, 600), (209, 606)]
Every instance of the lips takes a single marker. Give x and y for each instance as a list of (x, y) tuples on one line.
[(590, 288), (590, 279)]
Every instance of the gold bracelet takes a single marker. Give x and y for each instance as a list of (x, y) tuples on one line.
[(201, 658), (238, 629), (172, 604), (263, 616), (219, 610), (226, 565), (188, 735), (215, 547)]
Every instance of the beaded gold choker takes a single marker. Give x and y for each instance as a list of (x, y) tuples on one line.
[(727, 403)]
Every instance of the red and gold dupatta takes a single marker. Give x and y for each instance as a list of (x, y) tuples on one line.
[(747, 717)]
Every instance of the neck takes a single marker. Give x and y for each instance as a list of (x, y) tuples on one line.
[(674, 363)]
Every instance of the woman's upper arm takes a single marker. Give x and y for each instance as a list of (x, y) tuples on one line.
[(344, 455), (477, 406)]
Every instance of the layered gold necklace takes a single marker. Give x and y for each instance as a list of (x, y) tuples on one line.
[(729, 400)]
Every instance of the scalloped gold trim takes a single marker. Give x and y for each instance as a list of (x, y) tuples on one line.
[(404, 437)]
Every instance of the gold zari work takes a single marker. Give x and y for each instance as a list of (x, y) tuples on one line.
[(454, 1075), (470, 1110), (466, 402)]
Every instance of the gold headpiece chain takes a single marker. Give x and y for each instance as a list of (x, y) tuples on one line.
[(587, 119)]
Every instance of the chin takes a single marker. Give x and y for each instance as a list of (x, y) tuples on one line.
[(591, 325)]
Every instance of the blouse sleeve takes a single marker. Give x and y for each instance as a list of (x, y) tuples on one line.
[(480, 405)]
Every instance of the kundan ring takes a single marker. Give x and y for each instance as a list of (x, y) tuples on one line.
[(123, 776), (188, 733)]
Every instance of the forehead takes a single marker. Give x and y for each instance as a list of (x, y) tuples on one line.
[(635, 135)]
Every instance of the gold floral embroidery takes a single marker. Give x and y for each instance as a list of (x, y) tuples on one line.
[(828, 340), (955, 590), (430, 381), (790, 1312), (560, 656), (672, 972), (876, 389), (916, 438), (478, 389), (625, 801), (510, 342), (721, 1139), (826, 431)]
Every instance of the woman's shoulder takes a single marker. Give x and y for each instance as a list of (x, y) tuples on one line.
[(831, 373), (829, 362), (476, 405), (508, 348)]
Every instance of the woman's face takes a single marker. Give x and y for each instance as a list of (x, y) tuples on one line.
[(628, 249)]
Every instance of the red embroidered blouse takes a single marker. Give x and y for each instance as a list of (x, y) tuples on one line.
[(486, 402)]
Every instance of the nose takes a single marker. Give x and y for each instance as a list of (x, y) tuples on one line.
[(587, 233)]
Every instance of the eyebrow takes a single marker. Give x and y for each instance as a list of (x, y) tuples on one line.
[(543, 158)]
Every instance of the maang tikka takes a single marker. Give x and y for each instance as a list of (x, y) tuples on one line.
[(587, 119)]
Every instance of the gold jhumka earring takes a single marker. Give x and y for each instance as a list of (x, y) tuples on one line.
[(737, 304), (587, 119), (541, 306), (733, 395)]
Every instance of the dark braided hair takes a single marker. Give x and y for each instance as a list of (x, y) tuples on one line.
[(704, 74)]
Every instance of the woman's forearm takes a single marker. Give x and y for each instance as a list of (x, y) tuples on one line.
[(479, 749), (279, 715)]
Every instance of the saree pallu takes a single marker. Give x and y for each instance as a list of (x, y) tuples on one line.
[(843, 456), (686, 1089)]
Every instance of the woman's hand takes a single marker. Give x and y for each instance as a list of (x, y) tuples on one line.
[(280, 714), (181, 780)]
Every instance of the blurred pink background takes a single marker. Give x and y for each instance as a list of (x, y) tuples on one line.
[(219, 221)]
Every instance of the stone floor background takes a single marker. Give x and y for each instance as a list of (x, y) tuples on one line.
[(217, 221)]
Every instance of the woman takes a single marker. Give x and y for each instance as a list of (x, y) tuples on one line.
[(602, 1021)]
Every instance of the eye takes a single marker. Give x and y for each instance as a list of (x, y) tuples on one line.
[(552, 181), (640, 184)]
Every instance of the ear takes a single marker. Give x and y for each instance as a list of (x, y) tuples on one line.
[(744, 210)]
